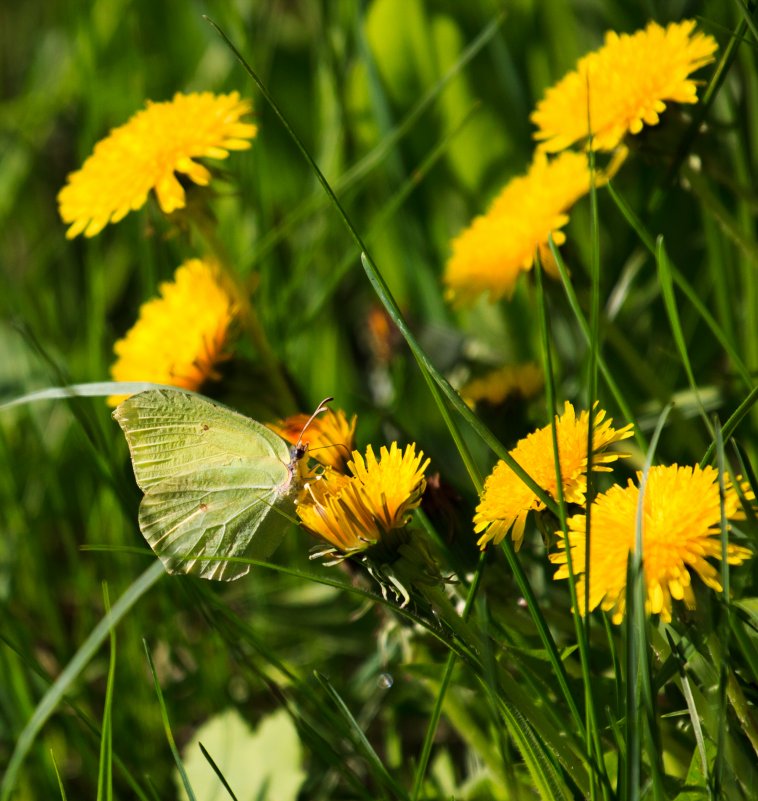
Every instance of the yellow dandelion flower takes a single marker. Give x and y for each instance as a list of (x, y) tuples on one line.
[(147, 153), (681, 529), (330, 437), (506, 500), (628, 81), (392, 485), (332, 508), (498, 385), (498, 246), (180, 336), (354, 512)]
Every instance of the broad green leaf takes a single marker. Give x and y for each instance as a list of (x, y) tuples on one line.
[(261, 765)]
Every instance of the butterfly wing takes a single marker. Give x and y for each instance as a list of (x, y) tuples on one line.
[(195, 522), (170, 433), (216, 483)]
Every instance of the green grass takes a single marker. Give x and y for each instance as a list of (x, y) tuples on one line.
[(416, 113)]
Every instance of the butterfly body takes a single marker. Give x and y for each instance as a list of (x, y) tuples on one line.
[(217, 484)]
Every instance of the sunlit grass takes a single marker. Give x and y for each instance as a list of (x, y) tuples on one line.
[(383, 131)]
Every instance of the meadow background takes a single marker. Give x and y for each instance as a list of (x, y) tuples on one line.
[(414, 152)]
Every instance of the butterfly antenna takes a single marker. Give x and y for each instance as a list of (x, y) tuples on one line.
[(346, 450), (322, 407)]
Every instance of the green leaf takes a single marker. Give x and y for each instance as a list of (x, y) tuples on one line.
[(265, 764)]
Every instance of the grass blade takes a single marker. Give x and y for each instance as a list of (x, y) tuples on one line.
[(431, 729), (58, 776), (649, 242), (218, 772), (669, 300), (385, 296), (95, 389), (588, 727), (105, 773), (167, 726), (361, 741), (573, 300), (71, 672), (546, 778), (639, 693)]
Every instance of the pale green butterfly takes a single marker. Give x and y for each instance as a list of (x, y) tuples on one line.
[(217, 484)]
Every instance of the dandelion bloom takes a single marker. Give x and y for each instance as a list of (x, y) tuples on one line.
[(180, 336), (498, 246), (680, 530), (147, 153), (629, 81), (354, 512), (496, 386), (329, 437), (506, 500)]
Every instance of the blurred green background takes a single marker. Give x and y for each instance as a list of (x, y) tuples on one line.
[(413, 158)]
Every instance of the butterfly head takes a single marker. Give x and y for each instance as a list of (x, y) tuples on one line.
[(300, 448), (298, 451)]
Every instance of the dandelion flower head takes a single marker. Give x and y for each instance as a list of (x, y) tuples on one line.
[(330, 437), (181, 336), (507, 500), (498, 246), (629, 80), (147, 153), (354, 512), (680, 530), (496, 386)]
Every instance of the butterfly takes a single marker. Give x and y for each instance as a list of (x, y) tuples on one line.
[(217, 484)]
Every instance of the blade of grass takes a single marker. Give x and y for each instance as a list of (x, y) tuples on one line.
[(726, 222), (545, 726), (639, 695), (167, 726), (669, 301), (617, 714), (691, 708), (94, 389), (489, 681), (90, 725), (361, 741), (105, 772), (649, 242), (456, 646), (731, 424), (547, 779), (431, 729), (747, 646), (379, 153), (385, 296), (58, 776), (393, 205), (724, 625), (618, 395), (590, 712), (218, 772), (588, 727), (451, 395), (319, 729), (71, 672)]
